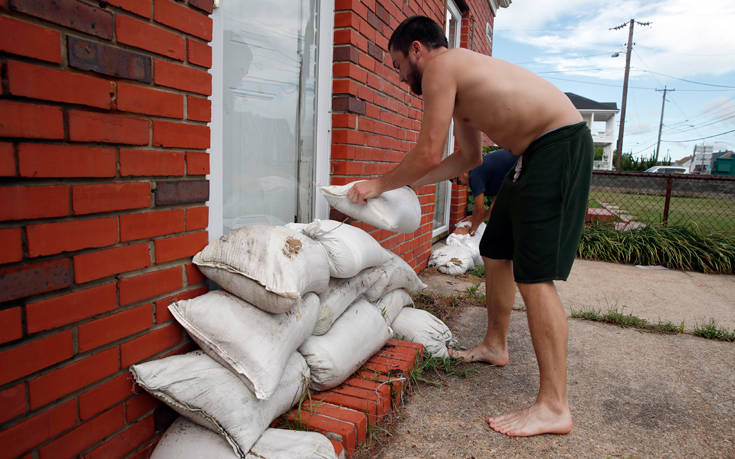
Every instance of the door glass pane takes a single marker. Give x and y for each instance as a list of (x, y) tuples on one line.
[(269, 80), (444, 189)]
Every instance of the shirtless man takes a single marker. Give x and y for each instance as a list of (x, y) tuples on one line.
[(537, 219)]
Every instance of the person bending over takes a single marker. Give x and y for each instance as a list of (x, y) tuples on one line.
[(485, 180), (536, 221)]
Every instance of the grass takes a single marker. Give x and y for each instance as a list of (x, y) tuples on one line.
[(435, 366), (478, 270), (613, 316), (440, 306), (713, 215), (710, 330), (674, 247)]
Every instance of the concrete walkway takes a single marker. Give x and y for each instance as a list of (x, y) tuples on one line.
[(632, 393)]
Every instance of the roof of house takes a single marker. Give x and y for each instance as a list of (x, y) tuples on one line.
[(683, 160), (729, 154), (583, 103)]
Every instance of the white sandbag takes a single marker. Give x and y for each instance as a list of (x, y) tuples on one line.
[(186, 440), (252, 343), (471, 242), (199, 388), (270, 267), (452, 259), (392, 303), (295, 227), (396, 274), (350, 249), (358, 334), (340, 295), (396, 210), (422, 327)]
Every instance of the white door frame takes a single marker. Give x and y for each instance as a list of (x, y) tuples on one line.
[(452, 10), (323, 118)]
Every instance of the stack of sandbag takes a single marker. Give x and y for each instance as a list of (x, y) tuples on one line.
[(461, 252), (248, 371), (301, 306), (350, 329)]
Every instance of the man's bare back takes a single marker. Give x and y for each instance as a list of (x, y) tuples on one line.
[(508, 103)]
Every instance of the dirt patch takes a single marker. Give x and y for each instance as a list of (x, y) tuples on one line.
[(292, 247)]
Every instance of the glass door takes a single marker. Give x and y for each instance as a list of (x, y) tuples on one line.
[(265, 80), (443, 194)]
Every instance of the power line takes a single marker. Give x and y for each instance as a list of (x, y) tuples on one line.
[(688, 81), (597, 84), (700, 138)]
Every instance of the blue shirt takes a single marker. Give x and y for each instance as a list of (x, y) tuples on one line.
[(487, 177)]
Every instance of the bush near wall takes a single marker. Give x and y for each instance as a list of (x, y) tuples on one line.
[(103, 139)]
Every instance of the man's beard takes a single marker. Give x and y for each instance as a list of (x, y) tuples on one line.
[(414, 81)]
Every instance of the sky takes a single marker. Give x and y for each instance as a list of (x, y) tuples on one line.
[(689, 47)]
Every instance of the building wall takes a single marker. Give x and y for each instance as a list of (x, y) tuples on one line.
[(103, 139), (376, 120), (103, 164)]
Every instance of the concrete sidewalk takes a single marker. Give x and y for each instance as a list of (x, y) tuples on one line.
[(632, 393)]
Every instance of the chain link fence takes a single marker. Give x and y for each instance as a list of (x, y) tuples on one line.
[(630, 200)]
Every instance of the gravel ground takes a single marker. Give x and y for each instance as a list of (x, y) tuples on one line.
[(632, 393)]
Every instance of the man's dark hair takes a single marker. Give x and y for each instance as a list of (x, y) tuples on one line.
[(420, 28)]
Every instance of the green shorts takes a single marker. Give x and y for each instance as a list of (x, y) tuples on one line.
[(539, 212)]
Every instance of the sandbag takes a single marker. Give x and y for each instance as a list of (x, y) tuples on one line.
[(350, 249), (452, 259), (358, 334), (392, 303), (396, 210), (199, 388), (423, 327), (186, 440), (340, 295), (252, 343), (270, 267), (396, 274), (471, 242)]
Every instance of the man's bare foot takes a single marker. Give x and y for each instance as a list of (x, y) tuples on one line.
[(539, 419), (482, 353)]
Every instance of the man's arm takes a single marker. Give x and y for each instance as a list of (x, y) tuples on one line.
[(439, 89), (468, 157), (479, 213)]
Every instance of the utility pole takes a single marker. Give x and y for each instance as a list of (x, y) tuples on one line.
[(661, 122), (630, 24)]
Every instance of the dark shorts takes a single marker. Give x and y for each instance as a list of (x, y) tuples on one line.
[(537, 220)]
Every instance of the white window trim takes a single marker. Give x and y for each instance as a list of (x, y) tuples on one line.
[(451, 7), (323, 121)]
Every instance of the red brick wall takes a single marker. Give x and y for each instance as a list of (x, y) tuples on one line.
[(375, 119), (103, 139)]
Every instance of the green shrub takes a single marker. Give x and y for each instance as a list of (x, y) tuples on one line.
[(674, 247)]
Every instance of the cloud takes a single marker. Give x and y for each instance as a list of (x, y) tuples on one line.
[(638, 128), (683, 40)]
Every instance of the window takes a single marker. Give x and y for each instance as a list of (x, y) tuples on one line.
[(270, 102)]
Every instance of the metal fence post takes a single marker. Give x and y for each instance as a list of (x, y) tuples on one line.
[(669, 180)]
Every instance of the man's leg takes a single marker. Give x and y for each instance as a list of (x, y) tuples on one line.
[(547, 322), (499, 295)]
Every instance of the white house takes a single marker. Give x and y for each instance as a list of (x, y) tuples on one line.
[(601, 118)]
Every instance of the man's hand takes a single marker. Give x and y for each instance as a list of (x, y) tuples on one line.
[(361, 192), (462, 230)]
